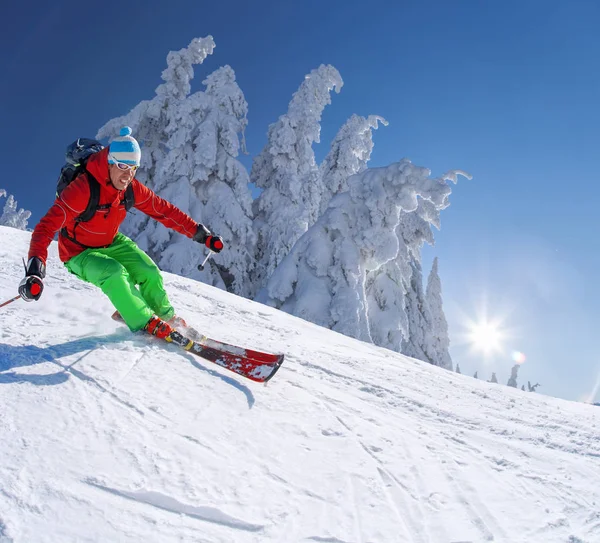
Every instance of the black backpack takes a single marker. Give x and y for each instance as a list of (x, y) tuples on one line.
[(77, 155)]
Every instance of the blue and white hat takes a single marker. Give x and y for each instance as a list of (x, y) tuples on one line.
[(125, 148)]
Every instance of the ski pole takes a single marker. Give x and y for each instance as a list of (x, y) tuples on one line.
[(10, 301), (201, 266)]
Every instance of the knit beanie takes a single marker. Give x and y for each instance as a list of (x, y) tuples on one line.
[(125, 148)]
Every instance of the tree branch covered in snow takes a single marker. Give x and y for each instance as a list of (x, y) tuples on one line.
[(179, 73), (11, 215), (350, 151)]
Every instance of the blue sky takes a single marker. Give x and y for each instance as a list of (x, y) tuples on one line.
[(505, 90)]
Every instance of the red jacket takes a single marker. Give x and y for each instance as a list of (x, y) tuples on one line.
[(103, 227)]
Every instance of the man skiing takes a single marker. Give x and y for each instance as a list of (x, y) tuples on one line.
[(95, 250)]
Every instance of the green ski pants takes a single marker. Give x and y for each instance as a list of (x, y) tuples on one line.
[(117, 270)]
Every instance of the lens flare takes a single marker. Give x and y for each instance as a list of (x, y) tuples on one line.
[(518, 357), (590, 397)]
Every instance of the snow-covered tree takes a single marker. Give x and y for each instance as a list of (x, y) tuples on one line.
[(439, 325), (531, 387), (494, 379), (418, 343), (406, 323), (201, 175), (287, 173), (397, 310), (350, 151), (323, 278), (512, 380), (475, 376), (149, 121), (414, 230), (12, 215), (385, 289), (458, 368)]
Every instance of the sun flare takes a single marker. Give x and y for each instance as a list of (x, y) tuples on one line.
[(486, 337)]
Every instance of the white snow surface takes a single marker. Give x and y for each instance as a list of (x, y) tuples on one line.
[(109, 436)]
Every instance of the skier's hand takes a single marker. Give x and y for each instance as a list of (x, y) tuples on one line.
[(203, 235), (214, 243), (31, 287)]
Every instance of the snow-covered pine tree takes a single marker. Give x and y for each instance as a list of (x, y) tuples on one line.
[(11, 214), (149, 121), (287, 173), (458, 368), (419, 341), (385, 289), (439, 325), (494, 379), (531, 387), (350, 151), (203, 177), (323, 278), (475, 376), (512, 380), (399, 317), (414, 230)]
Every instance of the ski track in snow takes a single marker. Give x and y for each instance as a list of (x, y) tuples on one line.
[(161, 501), (108, 436), (488, 526)]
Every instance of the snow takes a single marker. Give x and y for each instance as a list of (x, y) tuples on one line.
[(109, 436), (11, 215)]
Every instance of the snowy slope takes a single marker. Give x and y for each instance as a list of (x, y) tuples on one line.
[(107, 436)]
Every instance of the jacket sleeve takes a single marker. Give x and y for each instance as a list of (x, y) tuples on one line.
[(70, 204), (164, 212)]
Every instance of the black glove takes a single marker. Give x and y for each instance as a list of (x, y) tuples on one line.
[(31, 287), (203, 235)]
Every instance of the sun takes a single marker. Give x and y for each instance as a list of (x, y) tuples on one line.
[(486, 337)]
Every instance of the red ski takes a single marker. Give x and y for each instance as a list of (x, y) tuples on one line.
[(205, 341), (255, 370), (233, 349), (254, 365)]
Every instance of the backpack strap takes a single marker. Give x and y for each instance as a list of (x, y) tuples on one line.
[(129, 200), (94, 200)]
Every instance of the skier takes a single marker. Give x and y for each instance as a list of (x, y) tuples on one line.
[(96, 252)]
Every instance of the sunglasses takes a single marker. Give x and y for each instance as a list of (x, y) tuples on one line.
[(122, 165)]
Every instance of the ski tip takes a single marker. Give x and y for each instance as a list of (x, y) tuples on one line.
[(280, 360)]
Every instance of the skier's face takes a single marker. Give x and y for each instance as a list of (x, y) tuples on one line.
[(120, 178)]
